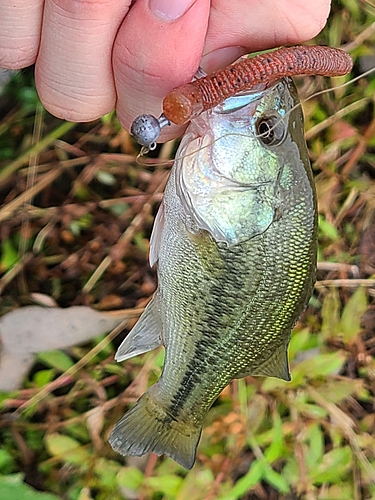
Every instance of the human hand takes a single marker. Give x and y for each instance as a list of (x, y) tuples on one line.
[(96, 55)]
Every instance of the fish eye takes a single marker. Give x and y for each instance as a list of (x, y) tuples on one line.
[(270, 130)]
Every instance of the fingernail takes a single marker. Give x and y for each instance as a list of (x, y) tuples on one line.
[(170, 10), (220, 58)]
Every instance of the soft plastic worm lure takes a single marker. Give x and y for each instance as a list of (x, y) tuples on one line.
[(188, 101)]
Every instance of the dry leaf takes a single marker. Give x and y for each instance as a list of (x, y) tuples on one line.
[(35, 329), (32, 329)]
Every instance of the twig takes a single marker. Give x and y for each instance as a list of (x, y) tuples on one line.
[(13, 272), (338, 266), (355, 106), (346, 283), (359, 150), (23, 159), (360, 38), (30, 181), (125, 238), (8, 210), (212, 494), (151, 463), (345, 424)]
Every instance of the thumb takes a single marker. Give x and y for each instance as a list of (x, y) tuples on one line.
[(159, 46)]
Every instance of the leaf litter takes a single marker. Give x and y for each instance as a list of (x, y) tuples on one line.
[(76, 213)]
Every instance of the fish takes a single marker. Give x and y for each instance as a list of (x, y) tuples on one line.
[(235, 244)]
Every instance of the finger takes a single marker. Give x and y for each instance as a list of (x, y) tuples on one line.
[(258, 25), (73, 71), (154, 53), (20, 24)]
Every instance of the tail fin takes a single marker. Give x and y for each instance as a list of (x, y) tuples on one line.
[(147, 427)]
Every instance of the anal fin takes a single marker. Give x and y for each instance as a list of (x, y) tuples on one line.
[(146, 334), (275, 366)]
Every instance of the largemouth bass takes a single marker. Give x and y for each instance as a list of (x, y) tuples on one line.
[(235, 246)]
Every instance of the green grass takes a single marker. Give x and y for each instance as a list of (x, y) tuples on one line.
[(76, 213)]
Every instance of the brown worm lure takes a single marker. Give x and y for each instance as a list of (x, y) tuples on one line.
[(188, 101)]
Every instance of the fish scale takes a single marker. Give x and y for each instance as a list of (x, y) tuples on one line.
[(235, 246)]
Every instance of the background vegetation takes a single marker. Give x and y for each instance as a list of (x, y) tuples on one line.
[(76, 213)]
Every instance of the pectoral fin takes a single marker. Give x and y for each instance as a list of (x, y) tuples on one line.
[(146, 334), (275, 366)]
